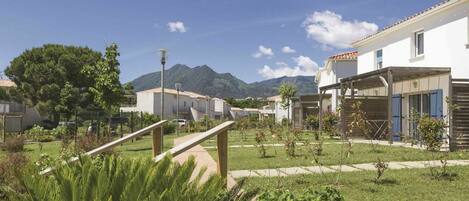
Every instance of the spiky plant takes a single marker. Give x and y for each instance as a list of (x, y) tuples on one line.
[(115, 179)]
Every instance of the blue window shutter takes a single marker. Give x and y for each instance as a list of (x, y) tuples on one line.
[(396, 116), (436, 104)]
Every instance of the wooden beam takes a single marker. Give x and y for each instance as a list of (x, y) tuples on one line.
[(343, 91), (195, 141), (320, 110), (390, 93), (222, 148), (114, 143), (157, 141)]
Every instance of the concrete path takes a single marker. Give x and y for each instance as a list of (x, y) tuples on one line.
[(202, 159), (279, 172)]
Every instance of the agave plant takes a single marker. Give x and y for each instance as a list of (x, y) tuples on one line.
[(115, 179)]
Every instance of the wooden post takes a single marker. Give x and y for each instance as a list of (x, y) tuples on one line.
[(343, 92), (157, 139), (320, 110), (222, 147), (390, 92)]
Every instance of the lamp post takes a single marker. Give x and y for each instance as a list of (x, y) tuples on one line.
[(178, 88), (163, 62)]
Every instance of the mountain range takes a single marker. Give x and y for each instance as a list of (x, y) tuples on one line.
[(204, 80)]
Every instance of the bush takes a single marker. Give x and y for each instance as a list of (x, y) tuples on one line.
[(45, 138), (431, 130), (13, 144), (169, 128), (89, 142), (312, 121), (11, 168), (324, 194), (113, 178), (329, 123), (61, 132)]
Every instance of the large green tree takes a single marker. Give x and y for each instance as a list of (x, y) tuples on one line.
[(49, 77), (107, 90)]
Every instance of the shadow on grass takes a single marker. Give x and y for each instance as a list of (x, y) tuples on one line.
[(139, 149)]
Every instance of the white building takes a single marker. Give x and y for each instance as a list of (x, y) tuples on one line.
[(192, 106), (280, 112), (221, 108), (336, 67), (237, 112), (413, 65)]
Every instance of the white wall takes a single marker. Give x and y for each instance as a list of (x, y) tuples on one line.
[(446, 37)]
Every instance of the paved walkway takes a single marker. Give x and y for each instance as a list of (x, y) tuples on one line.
[(202, 159), (336, 168)]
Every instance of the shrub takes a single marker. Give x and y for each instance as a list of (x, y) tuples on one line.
[(149, 119), (11, 168), (60, 132), (169, 128), (431, 130), (324, 194), (113, 178), (260, 139), (45, 138), (329, 122), (312, 121), (13, 144), (89, 142), (380, 166)]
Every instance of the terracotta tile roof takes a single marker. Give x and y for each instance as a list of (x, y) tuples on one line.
[(345, 56), (432, 8)]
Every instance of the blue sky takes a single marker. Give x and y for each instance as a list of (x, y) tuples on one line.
[(242, 37)]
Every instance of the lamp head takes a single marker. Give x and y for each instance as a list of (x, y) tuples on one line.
[(164, 56)]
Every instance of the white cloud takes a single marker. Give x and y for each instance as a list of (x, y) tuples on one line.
[(288, 49), (177, 26), (330, 30), (263, 51), (304, 66)]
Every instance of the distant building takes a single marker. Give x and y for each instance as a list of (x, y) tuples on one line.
[(337, 67), (237, 112), (18, 115), (192, 106), (221, 109), (280, 113)]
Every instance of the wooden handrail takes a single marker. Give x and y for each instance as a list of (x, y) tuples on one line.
[(221, 131), (156, 137), (195, 141)]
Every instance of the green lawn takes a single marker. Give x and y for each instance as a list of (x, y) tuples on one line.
[(138, 148), (410, 184), (236, 137), (248, 158)]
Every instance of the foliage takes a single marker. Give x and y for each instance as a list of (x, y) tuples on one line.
[(359, 123), (13, 144), (113, 178), (61, 132), (69, 97), (312, 121), (260, 140), (326, 193), (431, 130), (42, 73), (290, 139), (245, 103), (287, 92), (329, 123), (169, 128), (380, 166), (10, 170), (89, 142), (106, 89), (149, 119)]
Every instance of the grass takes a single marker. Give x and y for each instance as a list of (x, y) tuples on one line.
[(236, 137), (138, 148), (248, 158), (408, 184)]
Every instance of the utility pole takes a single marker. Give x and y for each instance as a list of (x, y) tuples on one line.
[(178, 88), (163, 62)]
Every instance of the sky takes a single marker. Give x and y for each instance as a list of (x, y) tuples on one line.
[(252, 39)]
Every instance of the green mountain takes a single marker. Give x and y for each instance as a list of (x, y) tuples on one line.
[(204, 80)]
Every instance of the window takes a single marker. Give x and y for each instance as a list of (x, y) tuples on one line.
[(379, 59), (419, 43)]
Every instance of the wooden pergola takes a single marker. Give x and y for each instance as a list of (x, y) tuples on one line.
[(384, 77)]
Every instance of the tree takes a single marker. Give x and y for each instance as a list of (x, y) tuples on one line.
[(106, 90), (69, 98), (41, 74), (287, 92)]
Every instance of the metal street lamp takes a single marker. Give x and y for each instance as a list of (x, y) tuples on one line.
[(164, 56), (178, 88)]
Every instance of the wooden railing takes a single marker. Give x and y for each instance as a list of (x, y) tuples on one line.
[(157, 142), (221, 131)]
